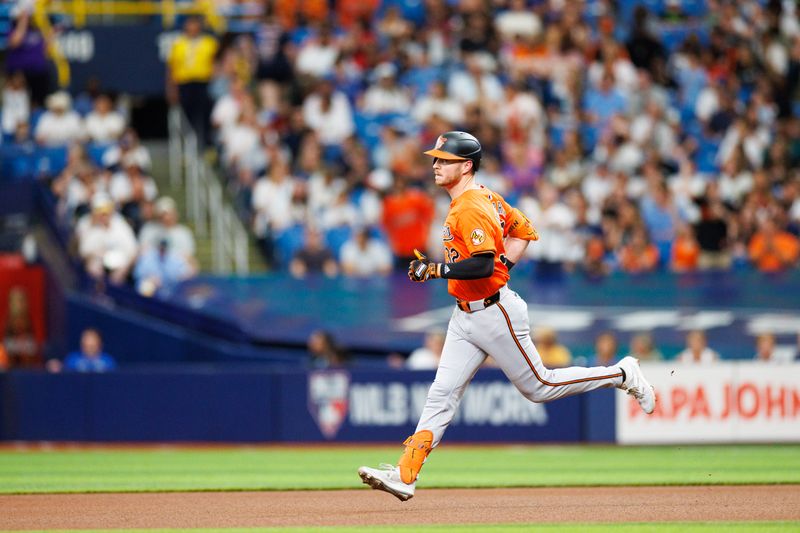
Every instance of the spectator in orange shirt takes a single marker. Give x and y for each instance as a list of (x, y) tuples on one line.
[(289, 11), (348, 12), (685, 250), (772, 249), (639, 254), (4, 364), (407, 217), (594, 259)]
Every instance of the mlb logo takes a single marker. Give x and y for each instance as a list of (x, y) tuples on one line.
[(328, 399)]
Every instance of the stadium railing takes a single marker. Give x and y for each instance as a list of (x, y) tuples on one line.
[(206, 205)]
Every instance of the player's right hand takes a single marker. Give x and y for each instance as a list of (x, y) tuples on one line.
[(422, 269)]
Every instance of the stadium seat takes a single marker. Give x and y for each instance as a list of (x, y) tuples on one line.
[(694, 8), (28, 161), (419, 80), (95, 152), (288, 242), (556, 134), (705, 157), (367, 130), (745, 91), (336, 237), (412, 10), (693, 128), (368, 126), (673, 35), (589, 135), (50, 161), (377, 233), (16, 162), (299, 34), (687, 115), (5, 24), (36, 114)]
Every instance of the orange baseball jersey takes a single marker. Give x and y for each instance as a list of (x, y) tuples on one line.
[(477, 223)]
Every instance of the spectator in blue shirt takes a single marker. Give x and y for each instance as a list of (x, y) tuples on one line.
[(602, 103), (661, 217), (91, 357), (158, 270), (692, 78)]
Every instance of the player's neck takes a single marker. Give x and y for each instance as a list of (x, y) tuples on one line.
[(463, 185)]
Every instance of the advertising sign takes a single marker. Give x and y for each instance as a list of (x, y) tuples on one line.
[(124, 58), (332, 405), (724, 402), (337, 405)]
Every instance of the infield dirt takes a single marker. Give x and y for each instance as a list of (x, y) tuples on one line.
[(432, 506)]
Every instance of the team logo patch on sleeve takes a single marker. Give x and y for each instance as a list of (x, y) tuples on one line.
[(477, 236)]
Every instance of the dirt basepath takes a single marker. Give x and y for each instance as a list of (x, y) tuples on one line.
[(431, 506)]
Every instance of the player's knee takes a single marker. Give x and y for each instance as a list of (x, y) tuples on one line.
[(536, 395), (535, 391)]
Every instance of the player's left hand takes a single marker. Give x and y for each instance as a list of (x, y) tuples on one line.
[(422, 269)]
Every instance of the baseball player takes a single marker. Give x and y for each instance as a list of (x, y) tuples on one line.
[(483, 238)]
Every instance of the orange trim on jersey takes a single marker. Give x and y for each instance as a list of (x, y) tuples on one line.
[(535, 373)]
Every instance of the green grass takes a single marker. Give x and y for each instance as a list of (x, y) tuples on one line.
[(248, 468), (569, 528)]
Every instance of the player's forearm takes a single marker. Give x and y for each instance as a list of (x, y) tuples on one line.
[(475, 267), (515, 248)]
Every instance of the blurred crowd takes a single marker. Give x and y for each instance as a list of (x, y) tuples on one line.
[(122, 231), (635, 139), (608, 349), (631, 149)]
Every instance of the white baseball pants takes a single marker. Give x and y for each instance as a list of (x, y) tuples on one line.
[(502, 331)]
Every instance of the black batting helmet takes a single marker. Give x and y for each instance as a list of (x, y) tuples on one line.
[(457, 145)]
